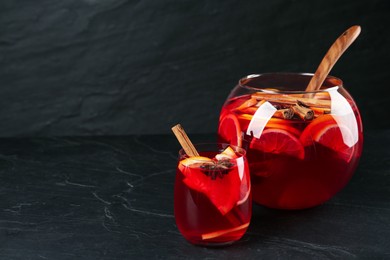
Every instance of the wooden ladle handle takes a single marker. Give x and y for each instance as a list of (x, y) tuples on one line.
[(331, 57)]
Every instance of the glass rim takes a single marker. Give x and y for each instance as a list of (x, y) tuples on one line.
[(339, 84), (215, 146)]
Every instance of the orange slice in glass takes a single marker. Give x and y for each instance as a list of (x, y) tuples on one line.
[(229, 129), (327, 132), (283, 126), (331, 136), (316, 126), (224, 232), (228, 153), (195, 161), (278, 141)]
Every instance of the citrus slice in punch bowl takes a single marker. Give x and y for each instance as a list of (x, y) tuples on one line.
[(229, 130), (278, 141)]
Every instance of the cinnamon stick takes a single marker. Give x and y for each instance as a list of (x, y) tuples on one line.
[(291, 100), (260, 103), (184, 141), (303, 112), (248, 103), (252, 110), (286, 113), (318, 111)]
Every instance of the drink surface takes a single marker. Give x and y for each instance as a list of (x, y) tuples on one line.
[(212, 200), (299, 157)]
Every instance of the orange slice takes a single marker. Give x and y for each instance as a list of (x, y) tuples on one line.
[(223, 232), (317, 125), (229, 129), (327, 132), (194, 161), (284, 126), (322, 95), (247, 104), (332, 137), (228, 153), (278, 141)]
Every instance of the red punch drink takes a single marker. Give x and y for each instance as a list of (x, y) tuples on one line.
[(212, 195), (302, 148)]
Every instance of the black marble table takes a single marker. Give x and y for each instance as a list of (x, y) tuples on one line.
[(112, 198)]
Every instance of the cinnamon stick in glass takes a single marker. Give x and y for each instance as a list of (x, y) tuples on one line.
[(290, 100), (303, 112), (184, 141)]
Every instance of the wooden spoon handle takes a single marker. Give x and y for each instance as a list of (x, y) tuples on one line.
[(331, 57)]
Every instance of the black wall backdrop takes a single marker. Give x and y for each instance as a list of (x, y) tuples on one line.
[(95, 67)]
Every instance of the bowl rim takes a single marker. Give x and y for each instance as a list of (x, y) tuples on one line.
[(305, 74)]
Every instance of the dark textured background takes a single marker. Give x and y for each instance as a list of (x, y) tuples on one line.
[(93, 67)]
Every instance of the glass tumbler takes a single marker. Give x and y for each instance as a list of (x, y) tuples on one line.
[(212, 195)]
